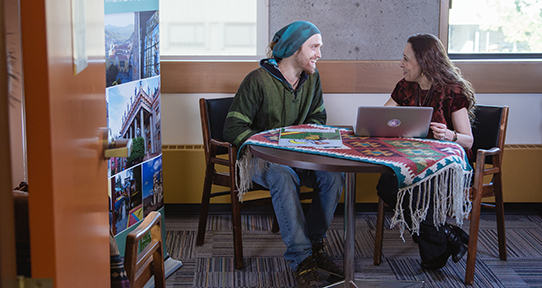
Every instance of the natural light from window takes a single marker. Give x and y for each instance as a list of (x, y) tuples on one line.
[(495, 26), (213, 28)]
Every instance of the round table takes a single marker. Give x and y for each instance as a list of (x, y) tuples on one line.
[(350, 167)]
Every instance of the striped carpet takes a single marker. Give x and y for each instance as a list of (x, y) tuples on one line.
[(211, 265)]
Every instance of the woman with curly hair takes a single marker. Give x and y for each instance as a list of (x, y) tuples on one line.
[(431, 80)]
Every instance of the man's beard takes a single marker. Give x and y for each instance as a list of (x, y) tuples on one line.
[(301, 61), (310, 71)]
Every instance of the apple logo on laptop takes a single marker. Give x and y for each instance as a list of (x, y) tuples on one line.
[(394, 123)]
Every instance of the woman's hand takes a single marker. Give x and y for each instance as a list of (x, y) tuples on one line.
[(462, 134), (440, 131), (461, 123)]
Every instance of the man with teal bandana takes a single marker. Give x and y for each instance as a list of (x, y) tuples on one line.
[(286, 91)]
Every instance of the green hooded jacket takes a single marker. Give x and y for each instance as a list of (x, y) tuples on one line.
[(265, 100)]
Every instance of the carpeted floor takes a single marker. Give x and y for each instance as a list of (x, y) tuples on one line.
[(211, 265)]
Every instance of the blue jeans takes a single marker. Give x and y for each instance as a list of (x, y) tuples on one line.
[(297, 230)]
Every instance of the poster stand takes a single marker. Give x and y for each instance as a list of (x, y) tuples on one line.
[(170, 265), (133, 95)]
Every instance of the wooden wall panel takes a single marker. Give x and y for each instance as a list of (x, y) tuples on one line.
[(337, 77), (203, 77), (351, 76), (376, 76), (503, 76)]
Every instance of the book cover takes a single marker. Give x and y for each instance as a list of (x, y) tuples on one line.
[(310, 137)]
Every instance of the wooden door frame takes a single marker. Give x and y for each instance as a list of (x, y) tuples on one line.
[(8, 267)]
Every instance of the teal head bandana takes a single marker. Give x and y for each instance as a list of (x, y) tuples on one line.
[(291, 37)]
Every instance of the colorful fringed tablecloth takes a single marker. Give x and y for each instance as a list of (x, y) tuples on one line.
[(433, 166)]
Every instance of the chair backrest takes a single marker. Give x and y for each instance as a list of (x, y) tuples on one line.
[(213, 114), (489, 128), (140, 267)]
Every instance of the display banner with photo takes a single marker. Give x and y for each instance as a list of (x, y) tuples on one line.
[(132, 56)]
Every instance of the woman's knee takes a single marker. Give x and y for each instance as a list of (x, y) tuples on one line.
[(387, 188)]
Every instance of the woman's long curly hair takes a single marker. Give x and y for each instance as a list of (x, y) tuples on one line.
[(437, 67)]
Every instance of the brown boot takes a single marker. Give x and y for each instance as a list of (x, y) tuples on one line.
[(326, 264), (306, 274)]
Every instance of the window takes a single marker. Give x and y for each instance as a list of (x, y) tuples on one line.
[(213, 29), (495, 29)]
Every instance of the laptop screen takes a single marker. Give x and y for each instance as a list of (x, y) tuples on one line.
[(393, 121)]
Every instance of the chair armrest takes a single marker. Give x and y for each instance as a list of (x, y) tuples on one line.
[(224, 144), (134, 261), (137, 265), (151, 220), (492, 151), (483, 153), (482, 171), (215, 146)]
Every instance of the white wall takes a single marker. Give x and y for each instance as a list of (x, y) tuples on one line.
[(525, 119), (181, 120)]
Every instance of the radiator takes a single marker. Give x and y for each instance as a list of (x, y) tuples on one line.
[(184, 168), (522, 173)]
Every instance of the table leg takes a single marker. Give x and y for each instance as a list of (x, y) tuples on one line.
[(349, 232), (349, 243), (350, 227)]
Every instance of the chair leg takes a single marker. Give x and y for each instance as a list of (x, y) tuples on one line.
[(473, 236), (237, 231), (158, 267), (204, 210), (499, 206), (275, 228), (379, 234)]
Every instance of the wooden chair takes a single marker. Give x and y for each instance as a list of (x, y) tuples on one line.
[(213, 114), (489, 134), (489, 131), (140, 267)]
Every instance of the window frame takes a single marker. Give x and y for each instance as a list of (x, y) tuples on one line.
[(445, 6), (262, 35), (357, 77)]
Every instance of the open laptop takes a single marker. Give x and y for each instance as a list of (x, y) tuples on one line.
[(393, 121)]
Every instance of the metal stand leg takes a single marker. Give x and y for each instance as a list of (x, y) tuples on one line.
[(349, 232), (350, 227), (349, 242)]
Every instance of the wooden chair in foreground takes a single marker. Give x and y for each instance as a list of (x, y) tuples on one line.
[(213, 114), (140, 267), (489, 134), (489, 131)]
